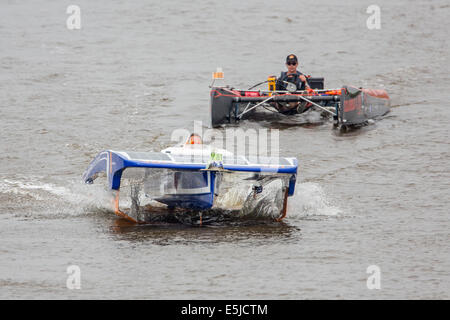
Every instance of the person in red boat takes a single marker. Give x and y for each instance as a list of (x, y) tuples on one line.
[(292, 75), (296, 77)]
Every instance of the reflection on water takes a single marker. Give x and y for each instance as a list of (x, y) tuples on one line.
[(275, 120), (175, 233)]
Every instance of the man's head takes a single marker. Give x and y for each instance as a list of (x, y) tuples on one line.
[(291, 63)]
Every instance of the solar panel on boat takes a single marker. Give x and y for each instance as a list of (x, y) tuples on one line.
[(235, 160), (191, 159), (269, 161), (158, 156)]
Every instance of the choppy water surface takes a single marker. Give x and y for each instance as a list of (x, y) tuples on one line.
[(138, 70)]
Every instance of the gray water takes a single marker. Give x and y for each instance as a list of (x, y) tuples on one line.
[(138, 70)]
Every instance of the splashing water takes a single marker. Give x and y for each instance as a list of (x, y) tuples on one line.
[(310, 200), (76, 198), (73, 198)]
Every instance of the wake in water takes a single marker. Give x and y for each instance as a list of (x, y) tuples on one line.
[(35, 198), (309, 118)]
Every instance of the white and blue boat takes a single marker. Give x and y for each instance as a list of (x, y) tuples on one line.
[(194, 176)]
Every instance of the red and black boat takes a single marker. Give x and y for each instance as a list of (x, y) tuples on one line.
[(349, 106)]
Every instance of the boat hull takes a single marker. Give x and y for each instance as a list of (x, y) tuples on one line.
[(351, 106), (359, 105), (188, 201), (190, 190), (145, 183)]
